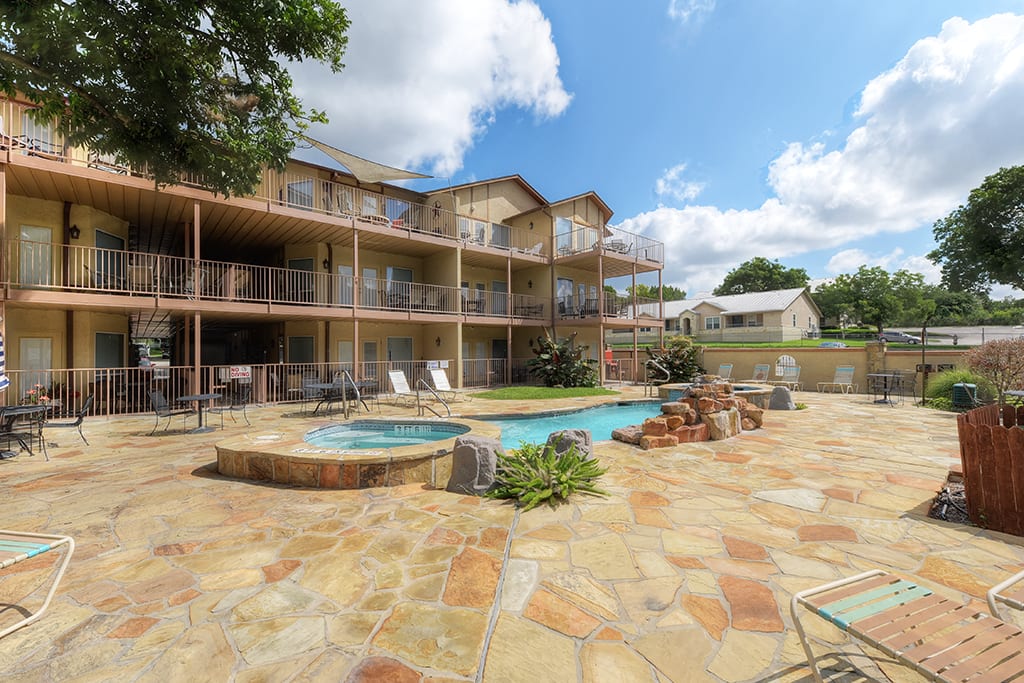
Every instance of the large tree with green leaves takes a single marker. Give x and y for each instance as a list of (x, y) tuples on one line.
[(185, 87), (982, 241), (669, 292), (761, 275), (875, 297)]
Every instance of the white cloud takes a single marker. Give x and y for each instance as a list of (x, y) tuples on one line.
[(849, 260), (685, 11), (932, 128), (673, 186), (424, 78)]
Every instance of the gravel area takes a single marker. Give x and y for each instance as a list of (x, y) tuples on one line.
[(951, 504)]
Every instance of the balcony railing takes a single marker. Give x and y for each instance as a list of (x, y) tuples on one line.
[(610, 241), (614, 307), (48, 266)]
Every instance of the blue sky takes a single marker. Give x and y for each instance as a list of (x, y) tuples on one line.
[(821, 134)]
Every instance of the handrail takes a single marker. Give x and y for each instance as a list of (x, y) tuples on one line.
[(649, 381), (421, 406), (359, 396)]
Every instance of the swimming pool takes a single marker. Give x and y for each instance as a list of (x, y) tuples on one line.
[(600, 421), (362, 434)]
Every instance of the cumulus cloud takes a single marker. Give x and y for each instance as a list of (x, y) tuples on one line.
[(424, 78), (672, 185), (685, 11), (930, 129)]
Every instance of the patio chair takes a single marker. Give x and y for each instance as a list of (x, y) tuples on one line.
[(77, 422), (1009, 592), (236, 400), (163, 409), (18, 546), (725, 370), (401, 394), (761, 372), (790, 378), (443, 387), (843, 380), (942, 639)]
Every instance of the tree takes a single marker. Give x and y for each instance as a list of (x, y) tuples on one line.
[(761, 275), (185, 88), (873, 296), (1001, 362), (679, 356), (982, 241), (669, 292)]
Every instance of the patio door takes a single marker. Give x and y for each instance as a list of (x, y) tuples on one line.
[(368, 295), (110, 257), (35, 255), (345, 349), (36, 358), (399, 350), (345, 285), (499, 304), (300, 282)]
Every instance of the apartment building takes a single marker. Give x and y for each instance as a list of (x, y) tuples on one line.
[(319, 272)]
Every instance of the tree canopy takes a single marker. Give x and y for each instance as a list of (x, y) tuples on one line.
[(761, 275), (186, 88), (669, 292), (874, 297), (982, 242)]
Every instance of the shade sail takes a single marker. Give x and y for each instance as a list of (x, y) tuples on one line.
[(364, 170)]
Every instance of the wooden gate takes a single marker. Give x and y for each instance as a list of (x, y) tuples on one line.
[(992, 454)]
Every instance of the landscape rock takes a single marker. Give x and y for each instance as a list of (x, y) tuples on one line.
[(566, 438), (747, 424), (675, 408), (723, 424), (648, 442), (753, 413), (691, 433), (474, 460), (630, 434), (674, 422), (707, 405), (655, 426), (781, 399)]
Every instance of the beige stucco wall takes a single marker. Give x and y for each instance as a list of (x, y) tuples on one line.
[(495, 201)]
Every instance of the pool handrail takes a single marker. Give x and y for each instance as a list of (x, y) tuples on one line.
[(649, 383), (420, 405)]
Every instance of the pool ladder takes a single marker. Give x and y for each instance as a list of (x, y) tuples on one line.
[(650, 382), (420, 406)]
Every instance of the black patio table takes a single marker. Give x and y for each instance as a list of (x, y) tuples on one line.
[(333, 392), (890, 382), (35, 413), (200, 400)]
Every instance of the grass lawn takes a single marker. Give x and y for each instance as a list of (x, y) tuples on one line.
[(541, 393)]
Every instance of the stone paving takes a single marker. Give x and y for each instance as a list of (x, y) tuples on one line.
[(684, 573)]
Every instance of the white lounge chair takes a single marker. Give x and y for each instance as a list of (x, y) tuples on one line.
[(790, 378), (725, 370), (761, 372), (17, 546), (401, 394), (443, 387), (843, 380)]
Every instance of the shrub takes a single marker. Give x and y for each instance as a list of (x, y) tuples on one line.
[(679, 357), (561, 363), (940, 387), (535, 474), (1001, 362)]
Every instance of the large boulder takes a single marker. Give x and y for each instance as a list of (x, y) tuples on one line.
[(655, 426), (781, 399), (691, 433), (754, 414), (567, 438), (474, 461), (723, 424), (630, 434)]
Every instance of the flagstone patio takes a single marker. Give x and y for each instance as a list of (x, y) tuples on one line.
[(684, 573)]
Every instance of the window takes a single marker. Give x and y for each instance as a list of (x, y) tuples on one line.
[(36, 255), (300, 349), (563, 235), (712, 322), (564, 294), (501, 235), (300, 193), (736, 321), (369, 358), (36, 359), (755, 320), (783, 362), (794, 320)]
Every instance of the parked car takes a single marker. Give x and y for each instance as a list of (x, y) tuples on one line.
[(832, 345), (898, 337)]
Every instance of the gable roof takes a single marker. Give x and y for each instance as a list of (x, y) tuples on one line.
[(735, 304), (588, 195), (516, 178)]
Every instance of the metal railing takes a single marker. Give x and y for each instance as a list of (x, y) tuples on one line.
[(609, 241)]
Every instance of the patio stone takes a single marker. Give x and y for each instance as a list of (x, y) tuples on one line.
[(752, 605), (612, 662), (564, 617), (444, 639), (473, 579)]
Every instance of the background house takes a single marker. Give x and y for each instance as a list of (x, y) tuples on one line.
[(780, 315)]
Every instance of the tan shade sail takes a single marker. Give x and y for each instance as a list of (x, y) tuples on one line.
[(364, 170)]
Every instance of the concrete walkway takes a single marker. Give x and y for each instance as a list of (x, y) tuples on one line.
[(683, 574)]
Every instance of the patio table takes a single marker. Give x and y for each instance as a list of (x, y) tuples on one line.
[(889, 382), (200, 400)]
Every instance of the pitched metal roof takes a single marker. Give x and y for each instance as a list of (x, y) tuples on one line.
[(734, 304)]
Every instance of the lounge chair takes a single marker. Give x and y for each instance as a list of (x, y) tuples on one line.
[(790, 378), (443, 387), (1009, 592), (942, 639), (77, 422), (761, 372), (18, 546), (401, 394), (725, 370), (163, 409), (843, 380)]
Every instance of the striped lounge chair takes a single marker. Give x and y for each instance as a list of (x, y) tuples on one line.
[(17, 546)]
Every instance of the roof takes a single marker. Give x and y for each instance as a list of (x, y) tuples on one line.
[(491, 181), (734, 304), (588, 195)]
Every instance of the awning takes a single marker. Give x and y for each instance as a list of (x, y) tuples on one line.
[(364, 170)]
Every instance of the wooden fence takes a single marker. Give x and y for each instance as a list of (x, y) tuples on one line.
[(992, 454)]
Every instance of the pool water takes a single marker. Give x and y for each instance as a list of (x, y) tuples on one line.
[(363, 434), (600, 421)]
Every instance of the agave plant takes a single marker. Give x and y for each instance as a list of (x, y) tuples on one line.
[(535, 474), (561, 363)]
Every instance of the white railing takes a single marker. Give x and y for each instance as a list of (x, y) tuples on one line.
[(610, 241)]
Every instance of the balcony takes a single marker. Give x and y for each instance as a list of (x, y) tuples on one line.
[(620, 251), (615, 307)]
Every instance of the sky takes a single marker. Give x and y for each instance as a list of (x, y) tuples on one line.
[(825, 135)]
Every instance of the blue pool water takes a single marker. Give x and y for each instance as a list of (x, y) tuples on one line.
[(382, 434), (600, 421)]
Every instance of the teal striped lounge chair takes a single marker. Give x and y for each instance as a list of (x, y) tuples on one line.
[(18, 546)]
